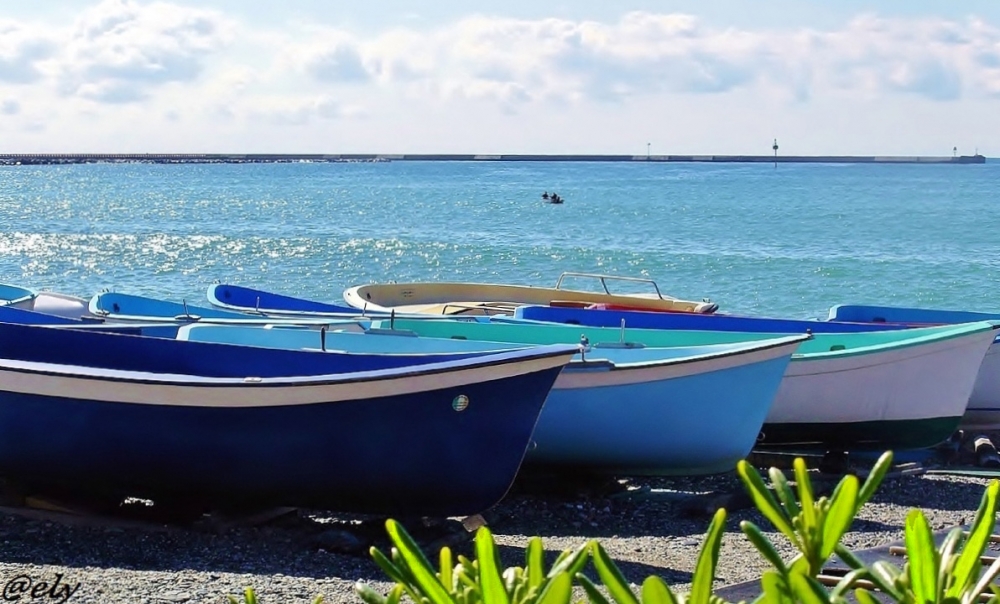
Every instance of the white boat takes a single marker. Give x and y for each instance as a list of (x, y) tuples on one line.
[(983, 412), (448, 298)]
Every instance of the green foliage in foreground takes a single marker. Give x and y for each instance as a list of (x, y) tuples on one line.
[(949, 574)]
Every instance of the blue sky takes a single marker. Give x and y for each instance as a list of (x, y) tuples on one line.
[(581, 76)]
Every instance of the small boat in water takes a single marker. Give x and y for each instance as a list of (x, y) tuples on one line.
[(223, 426), (875, 390), (983, 412), (615, 409), (444, 298)]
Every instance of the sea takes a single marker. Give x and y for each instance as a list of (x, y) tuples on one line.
[(789, 241)]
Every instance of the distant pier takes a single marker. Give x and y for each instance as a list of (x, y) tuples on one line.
[(239, 158)]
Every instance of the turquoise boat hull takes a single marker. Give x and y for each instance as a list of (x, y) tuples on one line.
[(613, 410), (851, 391)]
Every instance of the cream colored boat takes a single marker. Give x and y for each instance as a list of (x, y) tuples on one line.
[(488, 299)]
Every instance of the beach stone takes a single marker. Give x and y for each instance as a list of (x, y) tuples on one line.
[(154, 562), (338, 540)]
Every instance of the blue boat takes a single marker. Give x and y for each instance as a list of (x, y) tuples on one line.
[(256, 301), (615, 409), (983, 412), (902, 315), (634, 319), (131, 308), (871, 390), (22, 316), (386, 342), (50, 303), (112, 416), (14, 295)]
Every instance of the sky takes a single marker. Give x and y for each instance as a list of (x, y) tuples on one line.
[(521, 76)]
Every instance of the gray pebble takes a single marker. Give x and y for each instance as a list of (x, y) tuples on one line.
[(644, 535)]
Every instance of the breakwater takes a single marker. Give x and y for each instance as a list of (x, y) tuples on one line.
[(233, 158)]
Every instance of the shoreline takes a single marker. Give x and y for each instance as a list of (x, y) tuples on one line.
[(236, 158), (129, 561)]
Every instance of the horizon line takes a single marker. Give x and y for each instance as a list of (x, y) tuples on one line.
[(50, 158)]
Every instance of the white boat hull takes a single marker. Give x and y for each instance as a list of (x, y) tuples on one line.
[(983, 412), (906, 397)]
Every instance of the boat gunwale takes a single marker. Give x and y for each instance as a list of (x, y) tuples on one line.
[(213, 300), (501, 358), (239, 318), (937, 333), (734, 349), (28, 295), (354, 299)]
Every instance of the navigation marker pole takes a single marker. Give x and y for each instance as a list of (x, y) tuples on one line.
[(775, 147)]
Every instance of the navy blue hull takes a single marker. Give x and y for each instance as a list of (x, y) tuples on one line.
[(401, 455), (21, 316), (690, 321)]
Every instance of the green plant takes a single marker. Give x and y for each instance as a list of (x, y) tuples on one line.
[(814, 526), (949, 574), (654, 590), (250, 597), (472, 581)]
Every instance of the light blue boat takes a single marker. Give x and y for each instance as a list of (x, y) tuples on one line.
[(614, 410), (873, 390), (14, 295), (43, 302), (862, 313), (983, 412), (129, 308)]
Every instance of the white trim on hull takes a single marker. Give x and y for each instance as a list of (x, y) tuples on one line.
[(85, 383), (446, 298), (932, 380), (575, 376)]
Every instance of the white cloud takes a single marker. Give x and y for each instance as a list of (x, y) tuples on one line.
[(521, 61), (121, 50), (9, 107), (131, 71), (337, 63), (298, 112), (22, 48)]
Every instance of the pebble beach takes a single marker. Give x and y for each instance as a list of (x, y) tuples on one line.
[(649, 527)]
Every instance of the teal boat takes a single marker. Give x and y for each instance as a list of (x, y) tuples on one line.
[(614, 410), (851, 391)]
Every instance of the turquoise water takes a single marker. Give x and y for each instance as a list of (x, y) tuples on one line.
[(791, 241)]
